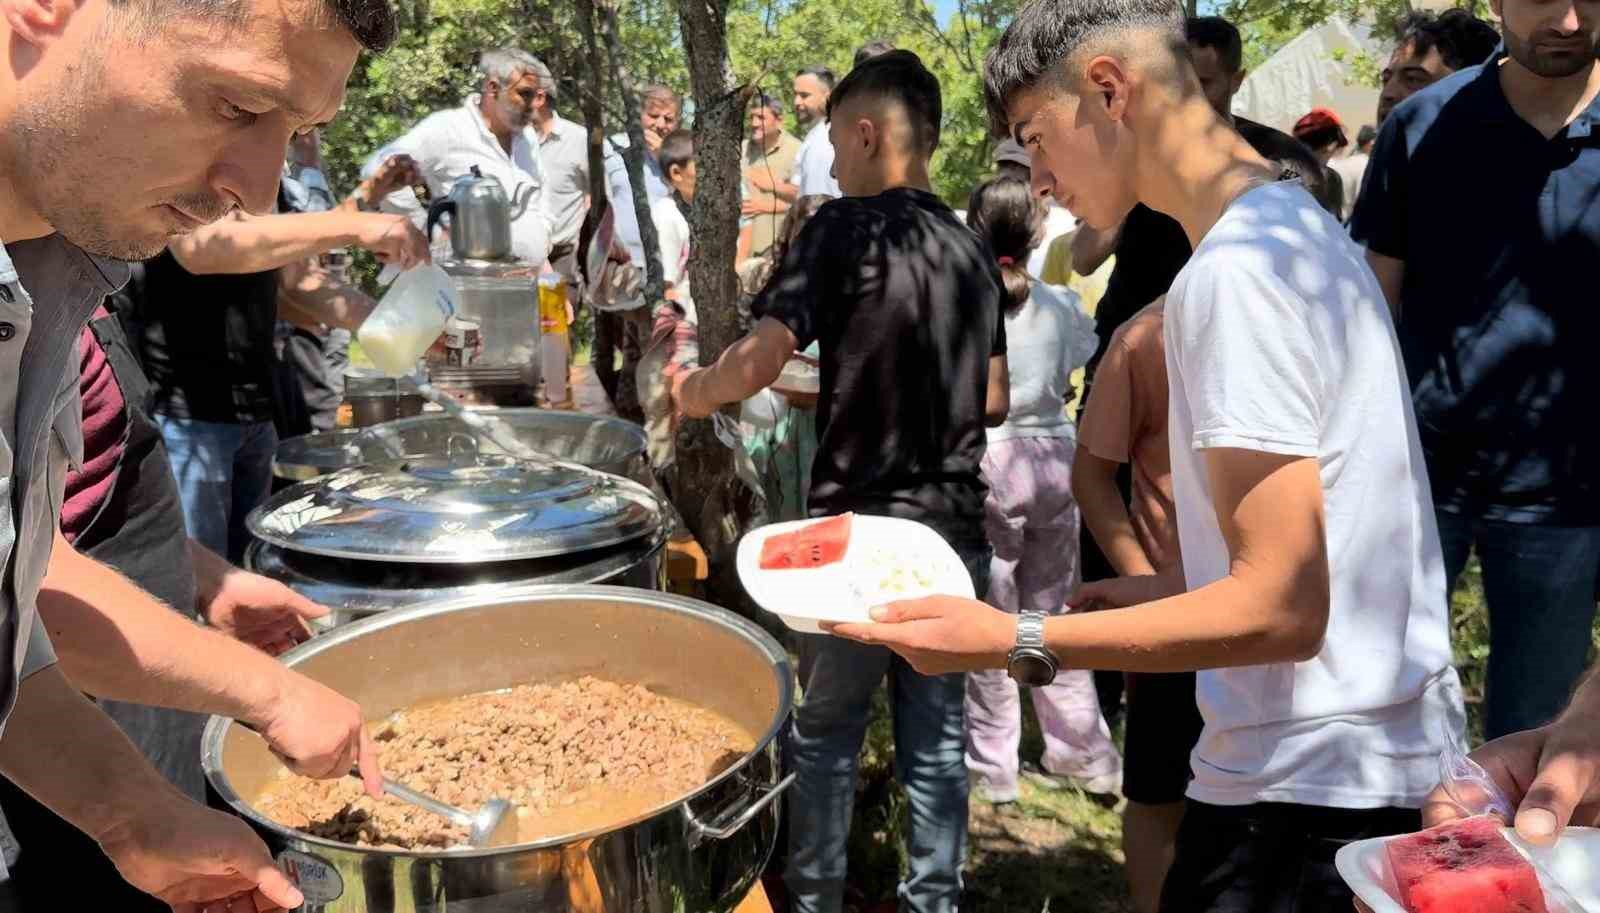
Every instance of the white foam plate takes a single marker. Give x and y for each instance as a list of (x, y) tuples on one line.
[(848, 589), (1573, 863)]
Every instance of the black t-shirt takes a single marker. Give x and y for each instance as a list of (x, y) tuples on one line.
[(206, 342), (1153, 247), (905, 302)]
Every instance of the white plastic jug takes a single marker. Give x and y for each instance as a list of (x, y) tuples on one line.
[(410, 316)]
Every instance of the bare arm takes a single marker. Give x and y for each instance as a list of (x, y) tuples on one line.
[(1094, 486), (997, 402), (1091, 247), (253, 244), (1272, 606), (63, 751), (114, 640), (1391, 275), (746, 368), (312, 294)]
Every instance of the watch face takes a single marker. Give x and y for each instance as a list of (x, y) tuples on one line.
[(1030, 668)]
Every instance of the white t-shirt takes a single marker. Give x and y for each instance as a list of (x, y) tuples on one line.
[(564, 162), (813, 165), (1047, 339), (672, 232), (1278, 341)]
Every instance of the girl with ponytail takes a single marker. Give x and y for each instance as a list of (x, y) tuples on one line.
[(1030, 515)]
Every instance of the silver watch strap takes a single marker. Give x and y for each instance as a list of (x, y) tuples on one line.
[(1030, 629)]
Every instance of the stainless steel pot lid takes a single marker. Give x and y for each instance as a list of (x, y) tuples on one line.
[(311, 455), (443, 510)]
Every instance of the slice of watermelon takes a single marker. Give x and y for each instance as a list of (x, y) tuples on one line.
[(812, 545), (1466, 866)]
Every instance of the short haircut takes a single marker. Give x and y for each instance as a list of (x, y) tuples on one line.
[(770, 102), (1366, 136), (659, 92), (877, 47), (1463, 39), (1047, 32), (677, 149), (370, 22), (506, 65), (822, 75), (901, 77), (1220, 35)]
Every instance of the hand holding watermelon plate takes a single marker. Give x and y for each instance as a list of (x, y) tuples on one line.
[(836, 569), (1464, 868)]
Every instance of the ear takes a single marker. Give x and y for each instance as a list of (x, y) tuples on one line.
[(1237, 81), (38, 22), (867, 134), (1107, 78)]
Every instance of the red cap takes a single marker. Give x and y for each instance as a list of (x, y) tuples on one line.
[(1317, 121)]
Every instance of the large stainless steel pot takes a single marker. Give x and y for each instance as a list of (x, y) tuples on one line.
[(599, 442), (700, 854), (354, 590)]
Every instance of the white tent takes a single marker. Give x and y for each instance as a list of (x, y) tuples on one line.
[(1314, 71)]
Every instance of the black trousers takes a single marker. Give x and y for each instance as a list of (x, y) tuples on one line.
[(1270, 858)]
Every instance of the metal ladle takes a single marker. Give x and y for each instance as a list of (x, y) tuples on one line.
[(491, 825)]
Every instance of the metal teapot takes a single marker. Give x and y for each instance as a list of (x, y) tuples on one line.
[(480, 217)]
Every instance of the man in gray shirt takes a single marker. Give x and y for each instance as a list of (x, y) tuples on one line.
[(122, 125)]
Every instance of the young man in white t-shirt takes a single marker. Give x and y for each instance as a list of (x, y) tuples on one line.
[(1312, 597)]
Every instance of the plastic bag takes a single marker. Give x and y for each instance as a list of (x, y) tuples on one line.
[(1471, 788)]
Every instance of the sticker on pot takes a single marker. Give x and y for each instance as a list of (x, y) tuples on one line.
[(316, 878)]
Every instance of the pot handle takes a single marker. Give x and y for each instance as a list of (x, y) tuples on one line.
[(725, 826)]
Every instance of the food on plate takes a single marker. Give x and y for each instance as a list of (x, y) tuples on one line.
[(572, 757), (813, 545), (1465, 866), (884, 574)]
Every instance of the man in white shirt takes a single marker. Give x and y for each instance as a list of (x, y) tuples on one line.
[(493, 131), (658, 114), (659, 109), (1312, 594), (564, 161), (813, 167)]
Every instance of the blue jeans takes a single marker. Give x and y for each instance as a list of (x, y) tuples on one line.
[(223, 472), (1539, 583), (838, 678)]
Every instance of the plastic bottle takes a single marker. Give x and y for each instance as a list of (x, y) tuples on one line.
[(408, 319)]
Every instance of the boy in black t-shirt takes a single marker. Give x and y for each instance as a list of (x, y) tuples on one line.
[(905, 303)]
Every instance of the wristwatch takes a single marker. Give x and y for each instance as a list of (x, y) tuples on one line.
[(1029, 662)]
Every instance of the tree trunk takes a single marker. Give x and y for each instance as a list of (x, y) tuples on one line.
[(608, 327), (635, 328), (714, 503)]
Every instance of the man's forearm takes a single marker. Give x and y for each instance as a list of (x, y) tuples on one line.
[(317, 296), (1227, 623), (259, 243), (746, 368), (63, 751), (116, 641)]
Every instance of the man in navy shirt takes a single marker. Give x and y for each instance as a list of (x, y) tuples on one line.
[(1497, 323)]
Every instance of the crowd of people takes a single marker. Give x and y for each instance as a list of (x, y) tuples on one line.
[(1317, 381)]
